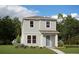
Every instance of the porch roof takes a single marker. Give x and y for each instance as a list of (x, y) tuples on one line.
[(49, 31)]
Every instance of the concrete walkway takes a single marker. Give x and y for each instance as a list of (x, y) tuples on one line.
[(57, 51)]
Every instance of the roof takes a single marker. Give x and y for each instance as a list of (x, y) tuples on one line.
[(39, 18), (49, 31)]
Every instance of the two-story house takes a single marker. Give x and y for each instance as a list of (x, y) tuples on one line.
[(39, 31)]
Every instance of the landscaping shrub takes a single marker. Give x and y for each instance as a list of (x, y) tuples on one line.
[(41, 47), (60, 43), (16, 46), (32, 46), (20, 46), (18, 39)]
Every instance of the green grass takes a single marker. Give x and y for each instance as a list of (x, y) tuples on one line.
[(70, 50), (9, 49)]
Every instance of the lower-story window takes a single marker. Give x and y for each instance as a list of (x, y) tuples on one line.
[(29, 39), (33, 39)]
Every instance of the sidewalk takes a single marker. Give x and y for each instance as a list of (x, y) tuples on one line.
[(57, 51)]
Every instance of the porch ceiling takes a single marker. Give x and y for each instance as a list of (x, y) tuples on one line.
[(49, 31)]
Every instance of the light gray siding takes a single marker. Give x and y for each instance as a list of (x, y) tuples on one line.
[(38, 25), (43, 25)]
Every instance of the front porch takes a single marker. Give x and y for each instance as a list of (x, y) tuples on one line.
[(49, 38)]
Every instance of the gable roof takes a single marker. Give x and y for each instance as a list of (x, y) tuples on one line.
[(39, 18)]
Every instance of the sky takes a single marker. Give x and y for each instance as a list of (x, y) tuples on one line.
[(22, 11), (49, 10)]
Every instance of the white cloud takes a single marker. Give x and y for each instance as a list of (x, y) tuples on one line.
[(16, 11), (56, 17), (76, 15)]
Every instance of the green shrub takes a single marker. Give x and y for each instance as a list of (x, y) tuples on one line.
[(60, 43), (32, 46), (16, 46), (20, 46), (18, 39), (41, 47)]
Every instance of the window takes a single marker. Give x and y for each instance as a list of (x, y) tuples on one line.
[(47, 24), (29, 39), (31, 23), (34, 39)]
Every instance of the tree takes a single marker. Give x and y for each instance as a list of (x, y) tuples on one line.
[(68, 28), (60, 16), (17, 26), (8, 29)]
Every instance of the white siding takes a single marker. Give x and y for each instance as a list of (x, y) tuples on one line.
[(38, 25), (43, 25), (27, 30)]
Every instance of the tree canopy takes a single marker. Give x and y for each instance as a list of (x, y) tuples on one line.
[(68, 28), (9, 29)]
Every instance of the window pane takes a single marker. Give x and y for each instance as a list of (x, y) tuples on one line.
[(34, 39), (31, 23), (47, 24), (29, 39)]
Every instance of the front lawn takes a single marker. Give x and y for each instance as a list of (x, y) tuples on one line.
[(9, 49), (70, 50)]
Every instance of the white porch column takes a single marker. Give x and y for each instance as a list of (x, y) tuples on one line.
[(56, 40), (41, 41)]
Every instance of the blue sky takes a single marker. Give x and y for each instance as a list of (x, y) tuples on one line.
[(48, 10), (22, 11)]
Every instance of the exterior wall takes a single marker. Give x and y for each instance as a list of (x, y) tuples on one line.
[(43, 25), (40, 38), (27, 30)]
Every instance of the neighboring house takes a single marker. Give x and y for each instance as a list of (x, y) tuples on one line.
[(39, 31)]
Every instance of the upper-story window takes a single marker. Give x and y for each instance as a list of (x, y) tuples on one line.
[(47, 24), (31, 23)]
